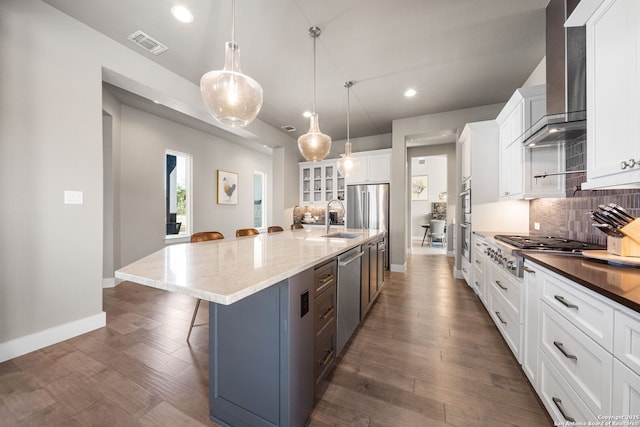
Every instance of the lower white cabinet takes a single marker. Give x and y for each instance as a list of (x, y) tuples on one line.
[(626, 393), (583, 364), (531, 289), (626, 345), (558, 397)]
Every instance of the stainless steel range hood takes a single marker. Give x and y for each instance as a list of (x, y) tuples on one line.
[(566, 119)]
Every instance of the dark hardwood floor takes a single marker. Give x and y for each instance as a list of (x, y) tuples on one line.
[(426, 355)]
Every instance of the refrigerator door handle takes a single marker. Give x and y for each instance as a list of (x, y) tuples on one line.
[(363, 212)]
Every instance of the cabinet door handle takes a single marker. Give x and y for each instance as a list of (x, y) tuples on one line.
[(500, 286), (560, 407), (560, 347), (326, 358), (327, 313), (564, 302), (478, 262), (528, 270), (500, 317)]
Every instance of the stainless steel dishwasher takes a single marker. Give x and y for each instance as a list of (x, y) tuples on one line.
[(348, 303)]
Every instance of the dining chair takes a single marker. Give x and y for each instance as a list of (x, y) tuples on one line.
[(274, 229), (201, 236), (437, 231), (246, 232), (297, 226)]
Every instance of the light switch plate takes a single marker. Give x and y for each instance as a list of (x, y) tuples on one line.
[(536, 226), (73, 197)]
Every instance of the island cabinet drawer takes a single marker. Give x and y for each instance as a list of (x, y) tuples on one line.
[(585, 365), (626, 342), (507, 321), (325, 309), (324, 351), (509, 288), (324, 276), (564, 406), (582, 307)]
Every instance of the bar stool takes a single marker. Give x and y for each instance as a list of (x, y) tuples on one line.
[(274, 229), (201, 236), (297, 226), (246, 232)]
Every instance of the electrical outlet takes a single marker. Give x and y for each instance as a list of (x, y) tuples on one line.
[(536, 226)]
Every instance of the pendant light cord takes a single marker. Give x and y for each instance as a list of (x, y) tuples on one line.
[(314, 74), (233, 21), (348, 85)]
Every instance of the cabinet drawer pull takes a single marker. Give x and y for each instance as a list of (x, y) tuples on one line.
[(528, 270), (327, 313), (500, 317), (478, 262), (558, 404), (326, 280), (560, 347), (500, 286), (326, 358), (564, 302)]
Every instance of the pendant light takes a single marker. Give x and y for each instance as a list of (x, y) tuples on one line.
[(314, 145), (347, 164), (233, 98)]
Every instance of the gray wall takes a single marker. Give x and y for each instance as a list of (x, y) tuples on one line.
[(51, 140)]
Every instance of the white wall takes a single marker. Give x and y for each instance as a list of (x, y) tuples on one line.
[(539, 75), (403, 130), (51, 73), (435, 167)]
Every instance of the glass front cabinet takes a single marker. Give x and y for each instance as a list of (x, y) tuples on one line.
[(320, 182)]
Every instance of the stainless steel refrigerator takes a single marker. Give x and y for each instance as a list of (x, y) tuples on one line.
[(368, 207)]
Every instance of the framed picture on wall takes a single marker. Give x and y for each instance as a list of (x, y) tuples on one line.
[(227, 188), (420, 187)]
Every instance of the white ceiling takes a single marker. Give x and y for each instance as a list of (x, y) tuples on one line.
[(455, 53)]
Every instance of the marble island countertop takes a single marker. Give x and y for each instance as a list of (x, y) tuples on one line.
[(225, 271)]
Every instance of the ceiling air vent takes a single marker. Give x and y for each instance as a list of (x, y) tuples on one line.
[(148, 43), (289, 128)]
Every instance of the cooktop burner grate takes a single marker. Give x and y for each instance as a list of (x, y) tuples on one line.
[(546, 243)]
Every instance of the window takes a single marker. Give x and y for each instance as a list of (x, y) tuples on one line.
[(178, 194), (259, 203)]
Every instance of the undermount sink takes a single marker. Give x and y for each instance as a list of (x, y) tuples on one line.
[(343, 235)]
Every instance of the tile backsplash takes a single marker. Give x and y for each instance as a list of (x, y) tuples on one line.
[(569, 217)]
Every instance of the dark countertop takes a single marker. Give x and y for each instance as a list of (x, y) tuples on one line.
[(618, 283)]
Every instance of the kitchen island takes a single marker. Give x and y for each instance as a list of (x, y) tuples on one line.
[(262, 292)]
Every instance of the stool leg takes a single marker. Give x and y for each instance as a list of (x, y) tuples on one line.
[(424, 237), (193, 319)]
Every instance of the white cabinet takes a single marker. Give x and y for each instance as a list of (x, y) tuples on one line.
[(530, 342), (478, 144), (626, 340), (518, 165), (320, 182), (613, 93), (375, 167), (481, 266), (626, 394)]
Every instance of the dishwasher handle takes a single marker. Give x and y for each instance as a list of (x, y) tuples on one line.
[(349, 260)]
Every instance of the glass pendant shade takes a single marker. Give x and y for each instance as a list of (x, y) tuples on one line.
[(233, 98), (314, 145), (347, 164)]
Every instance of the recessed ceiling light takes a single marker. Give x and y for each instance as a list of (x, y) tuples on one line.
[(182, 14), (410, 92), (307, 114)]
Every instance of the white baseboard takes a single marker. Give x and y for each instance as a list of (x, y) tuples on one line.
[(27, 344), (110, 282), (398, 268), (457, 273)]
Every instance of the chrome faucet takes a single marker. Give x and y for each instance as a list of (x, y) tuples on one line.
[(328, 217)]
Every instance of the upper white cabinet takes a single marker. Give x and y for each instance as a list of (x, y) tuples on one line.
[(320, 182), (525, 107), (520, 165), (613, 92), (375, 167), (478, 143)]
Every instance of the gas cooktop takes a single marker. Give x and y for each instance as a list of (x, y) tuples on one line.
[(546, 243)]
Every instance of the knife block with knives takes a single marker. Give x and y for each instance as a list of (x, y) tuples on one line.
[(622, 229), (629, 245)]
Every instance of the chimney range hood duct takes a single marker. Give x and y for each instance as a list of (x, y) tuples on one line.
[(566, 119)]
